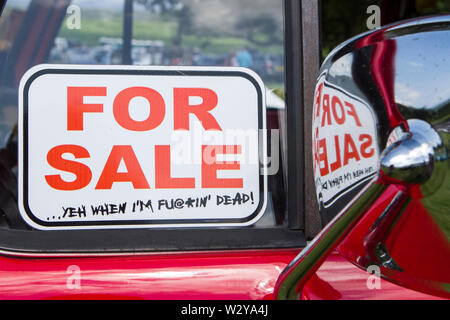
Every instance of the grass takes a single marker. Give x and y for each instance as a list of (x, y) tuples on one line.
[(92, 28), (438, 203)]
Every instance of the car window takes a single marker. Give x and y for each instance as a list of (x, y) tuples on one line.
[(146, 33)]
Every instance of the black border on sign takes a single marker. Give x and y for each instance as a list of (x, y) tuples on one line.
[(131, 223)]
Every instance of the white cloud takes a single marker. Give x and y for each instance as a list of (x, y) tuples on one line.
[(406, 95), (342, 67)]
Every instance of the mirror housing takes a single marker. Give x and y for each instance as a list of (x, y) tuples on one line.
[(381, 146)]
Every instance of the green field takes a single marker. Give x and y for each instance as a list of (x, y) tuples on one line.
[(93, 28), (438, 203)]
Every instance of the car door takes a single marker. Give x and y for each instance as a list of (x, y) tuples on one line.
[(57, 244)]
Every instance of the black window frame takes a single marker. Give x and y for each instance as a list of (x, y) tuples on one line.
[(301, 42)]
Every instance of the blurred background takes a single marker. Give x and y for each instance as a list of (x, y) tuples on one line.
[(343, 19)]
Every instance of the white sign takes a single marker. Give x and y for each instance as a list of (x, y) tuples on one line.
[(115, 147), (345, 152)]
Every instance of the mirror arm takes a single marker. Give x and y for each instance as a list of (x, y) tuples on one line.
[(294, 276)]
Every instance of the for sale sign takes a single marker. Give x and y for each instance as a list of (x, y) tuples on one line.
[(104, 147), (345, 152)]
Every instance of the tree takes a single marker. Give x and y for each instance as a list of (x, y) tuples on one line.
[(174, 8), (260, 30)]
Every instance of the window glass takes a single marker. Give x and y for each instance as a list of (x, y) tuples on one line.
[(177, 32), (224, 33), (343, 19)]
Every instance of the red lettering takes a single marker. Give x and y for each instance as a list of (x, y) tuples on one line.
[(134, 172), (210, 166), (335, 101), (317, 101), (182, 108), (163, 179), (315, 149), (76, 108), (323, 157), (350, 151), (366, 140), (326, 109), (336, 165), (352, 112), (122, 114), (82, 172)]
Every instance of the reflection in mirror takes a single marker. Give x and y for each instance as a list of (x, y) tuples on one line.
[(398, 221)]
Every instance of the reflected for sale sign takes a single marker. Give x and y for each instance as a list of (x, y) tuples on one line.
[(110, 147), (345, 151)]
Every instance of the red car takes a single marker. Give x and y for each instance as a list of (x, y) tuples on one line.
[(117, 180)]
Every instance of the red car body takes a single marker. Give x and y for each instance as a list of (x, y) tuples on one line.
[(227, 274), (241, 275), (244, 275)]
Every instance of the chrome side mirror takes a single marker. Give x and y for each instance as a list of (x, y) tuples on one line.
[(381, 146)]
